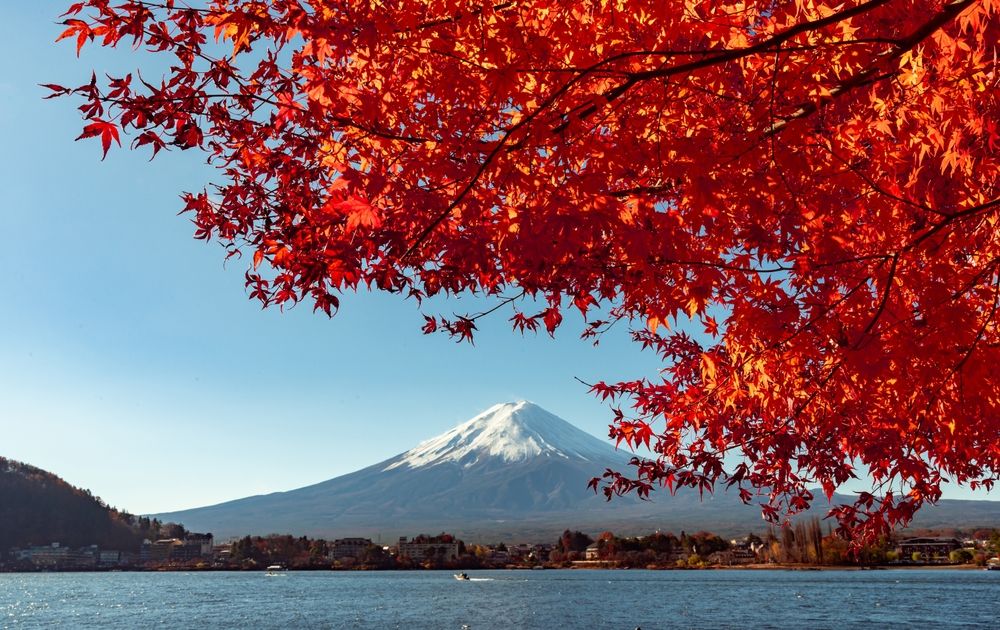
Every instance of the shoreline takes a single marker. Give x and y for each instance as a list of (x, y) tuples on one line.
[(744, 567)]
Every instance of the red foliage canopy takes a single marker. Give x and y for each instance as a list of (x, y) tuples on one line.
[(815, 183)]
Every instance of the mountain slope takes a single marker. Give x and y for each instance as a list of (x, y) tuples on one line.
[(510, 432), (38, 508), (514, 471), (515, 460)]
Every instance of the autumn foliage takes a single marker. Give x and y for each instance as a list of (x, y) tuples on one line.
[(813, 184)]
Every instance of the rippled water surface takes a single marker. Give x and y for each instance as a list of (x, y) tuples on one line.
[(505, 599)]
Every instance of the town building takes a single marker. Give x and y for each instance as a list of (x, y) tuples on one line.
[(158, 550), (205, 543), (928, 548), (349, 548), (742, 551), (428, 548), (499, 555), (56, 556), (222, 553), (192, 547), (520, 551), (112, 558)]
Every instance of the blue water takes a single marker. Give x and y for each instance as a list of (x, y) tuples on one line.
[(505, 599)]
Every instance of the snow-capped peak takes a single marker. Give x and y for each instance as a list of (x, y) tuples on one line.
[(511, 432)]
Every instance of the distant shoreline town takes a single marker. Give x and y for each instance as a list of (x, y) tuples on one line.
[(802, 545), (49, 525)]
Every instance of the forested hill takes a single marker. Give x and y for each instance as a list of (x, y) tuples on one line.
[(38, 508)]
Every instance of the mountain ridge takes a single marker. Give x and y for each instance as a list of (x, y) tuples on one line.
[(512, 431), (514, 470), (37, 508)]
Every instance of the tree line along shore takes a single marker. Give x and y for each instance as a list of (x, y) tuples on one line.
[(802, 545), (50, 525)]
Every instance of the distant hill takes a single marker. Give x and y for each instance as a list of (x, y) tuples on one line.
[(38, 508), (514, 472)]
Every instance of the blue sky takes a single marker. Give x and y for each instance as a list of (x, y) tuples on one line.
[(133, 364)]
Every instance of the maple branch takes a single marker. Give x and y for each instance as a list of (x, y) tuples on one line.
[(719, 265), (800, 409), (950, 218), (852, 259), (713, 58), (871, 182), (826, 311), (524, 121), (668, 53), (890, 277), (866, 77), (956, 369), (184, 5), (725, 56), (770, 105), (714, 391), (869, 76), (982, 329), (498, 306), (456, 18), (643, 190), (971, 284), (340, 120)]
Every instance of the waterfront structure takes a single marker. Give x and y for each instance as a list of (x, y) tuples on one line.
[(423, 548), (349, 548), (56, 556), (499, 555), (191, 547), (742, 551), (113, 558), (929, 548), (158, 550), (204, 542)]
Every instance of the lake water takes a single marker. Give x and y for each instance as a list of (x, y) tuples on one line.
[(504, 599)]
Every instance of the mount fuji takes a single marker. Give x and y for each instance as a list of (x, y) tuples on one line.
[(514, 471), (511, 465)]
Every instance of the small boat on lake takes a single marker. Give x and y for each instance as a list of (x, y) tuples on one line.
[(463, 577), (275, 570)]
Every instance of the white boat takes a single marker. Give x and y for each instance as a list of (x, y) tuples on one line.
[(462, 576), (275, 570)]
